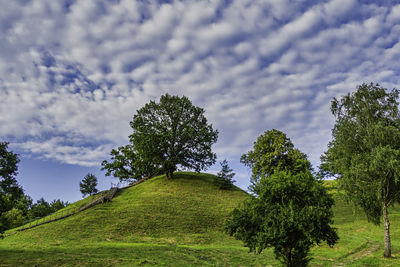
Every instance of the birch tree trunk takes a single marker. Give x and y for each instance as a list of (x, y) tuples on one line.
[(386, 224)]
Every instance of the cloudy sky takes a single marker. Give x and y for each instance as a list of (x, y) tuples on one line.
[(73, 73)]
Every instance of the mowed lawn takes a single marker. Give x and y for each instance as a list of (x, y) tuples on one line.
[(180, 222)]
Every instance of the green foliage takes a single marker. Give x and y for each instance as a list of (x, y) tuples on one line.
[(43, 208), (88, 185), (291, 209), (365, 151), (173, 133), (127, 164), (11, 194), (58, 204), (8, 165), (290, 214), (273, 151), (40, 209), (224, 178), (15, 217)]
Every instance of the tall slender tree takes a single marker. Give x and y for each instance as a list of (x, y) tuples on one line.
[(365, 151)]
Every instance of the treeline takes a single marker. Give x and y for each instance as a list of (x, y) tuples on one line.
[(20, 215), (17, 208)]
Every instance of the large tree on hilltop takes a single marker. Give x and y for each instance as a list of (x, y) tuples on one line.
[(365, 151), (166, 135), (273, 151)]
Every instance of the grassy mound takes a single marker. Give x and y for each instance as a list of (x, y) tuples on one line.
[(188, 209)]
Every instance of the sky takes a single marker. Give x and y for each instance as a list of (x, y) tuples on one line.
[(73, 74)]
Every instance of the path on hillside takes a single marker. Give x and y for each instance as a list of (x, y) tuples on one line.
[(64, 214), (372, 247)]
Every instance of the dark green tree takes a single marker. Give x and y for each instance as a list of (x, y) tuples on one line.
[(291, 213), (88, 185), (40, 209), (365, 151), (43, 208), (166, 135), (126, 164), (273, 151), (58, 204), (11, 194), (224, 178)]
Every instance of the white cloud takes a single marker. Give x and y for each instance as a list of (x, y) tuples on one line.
[(70, 82), (336, 9), (394, 15)]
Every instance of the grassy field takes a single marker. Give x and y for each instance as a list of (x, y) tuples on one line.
[(179, 222)]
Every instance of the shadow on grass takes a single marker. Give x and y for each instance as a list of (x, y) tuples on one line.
[(128, 255)]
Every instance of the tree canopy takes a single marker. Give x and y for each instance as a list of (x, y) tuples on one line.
[(126, 164), (291, 210), (167, 134), (43, 208), (11, 194), (365, 151), (88, 185), (224, 178), (273, 151)]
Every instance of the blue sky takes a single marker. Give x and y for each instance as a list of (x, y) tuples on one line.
[(73, 73)]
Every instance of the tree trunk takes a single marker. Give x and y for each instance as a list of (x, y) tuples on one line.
[(386, 224), (169, 174), (288, 260)]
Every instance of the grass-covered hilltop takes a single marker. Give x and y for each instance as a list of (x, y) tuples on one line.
[(179, 222)]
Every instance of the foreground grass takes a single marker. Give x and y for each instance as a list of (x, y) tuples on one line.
[(179, 222), (132, 254)]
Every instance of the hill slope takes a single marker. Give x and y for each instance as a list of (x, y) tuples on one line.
[(188, 209)]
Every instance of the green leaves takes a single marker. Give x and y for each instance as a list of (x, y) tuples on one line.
[(365, 148), (127, 164), (291, 213), (166, 135), (11, 194), (273, 151), (291, 210), (224, 178), (88, 185)]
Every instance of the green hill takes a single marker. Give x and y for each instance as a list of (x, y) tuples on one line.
[(179, 222), (188, 209)]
